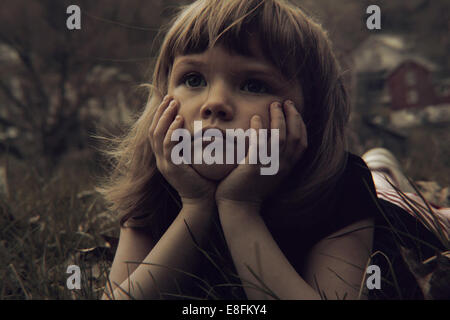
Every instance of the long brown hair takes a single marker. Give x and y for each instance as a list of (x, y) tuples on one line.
[(296, 45)]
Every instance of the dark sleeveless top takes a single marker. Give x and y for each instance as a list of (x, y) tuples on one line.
[(352, 199)]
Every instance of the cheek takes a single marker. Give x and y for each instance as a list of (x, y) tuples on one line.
[(187, 111), (247, 117)]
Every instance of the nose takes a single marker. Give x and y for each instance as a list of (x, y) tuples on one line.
[(217, 105)]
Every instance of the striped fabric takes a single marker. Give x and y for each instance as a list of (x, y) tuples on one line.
[(430, 214), (393, 186)]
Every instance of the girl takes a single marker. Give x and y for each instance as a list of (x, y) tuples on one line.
[(303, 233)]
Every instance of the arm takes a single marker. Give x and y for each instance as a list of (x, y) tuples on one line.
[(134, 245), (245, 230), (175, 249), (339, 264)]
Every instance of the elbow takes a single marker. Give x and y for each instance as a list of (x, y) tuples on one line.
[(114, 294)]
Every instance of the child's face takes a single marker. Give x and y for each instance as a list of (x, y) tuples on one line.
[(224, 91)]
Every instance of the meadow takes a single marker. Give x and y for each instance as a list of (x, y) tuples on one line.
[(57, 90), (51, 219)]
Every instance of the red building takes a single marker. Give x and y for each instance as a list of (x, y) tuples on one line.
[(387, 74), (410, 85)]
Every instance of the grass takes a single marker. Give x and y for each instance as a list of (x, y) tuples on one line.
[(53, 220), (45, 222)]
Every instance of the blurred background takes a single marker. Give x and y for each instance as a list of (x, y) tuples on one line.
[(59, 87)]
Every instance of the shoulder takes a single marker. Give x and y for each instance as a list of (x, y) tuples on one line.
[(357, 174), (354, 193), (352, 199)]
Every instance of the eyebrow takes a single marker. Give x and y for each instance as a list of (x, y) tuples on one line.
[(251, 68)]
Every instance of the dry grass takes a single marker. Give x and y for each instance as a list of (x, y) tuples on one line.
[(53, 220), (44, 222)]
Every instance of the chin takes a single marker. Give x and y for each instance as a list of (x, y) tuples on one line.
[(214, 172)]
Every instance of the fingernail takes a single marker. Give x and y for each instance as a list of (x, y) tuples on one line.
[(289, 103), (172, 103), (277, 105), (178, 117)]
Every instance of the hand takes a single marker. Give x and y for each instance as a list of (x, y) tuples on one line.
[(191, 187), (245, 184)]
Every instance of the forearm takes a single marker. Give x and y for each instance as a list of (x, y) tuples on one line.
[(251, 243), (176, 250)]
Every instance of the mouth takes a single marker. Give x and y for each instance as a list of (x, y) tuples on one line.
[(213, 138), (205, 142)]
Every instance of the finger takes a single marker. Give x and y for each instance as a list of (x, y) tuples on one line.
[(252, 154), (163, 124), (159, 111), (163, 105), (168, 143), (296, 140), (277, 121)]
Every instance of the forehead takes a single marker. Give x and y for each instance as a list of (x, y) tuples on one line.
[(234, 62), (213, 55), (248, 45)]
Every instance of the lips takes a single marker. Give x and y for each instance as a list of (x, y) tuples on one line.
[(204, 129), (205, 143), (222, 131)]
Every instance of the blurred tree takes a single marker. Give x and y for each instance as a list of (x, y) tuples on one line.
[(424, 23), (55, 82), (49, 74), (344, 20)]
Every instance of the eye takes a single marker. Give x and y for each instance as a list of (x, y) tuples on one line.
[(192, 80), (257, 86)]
